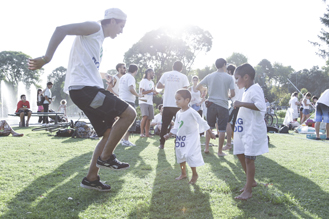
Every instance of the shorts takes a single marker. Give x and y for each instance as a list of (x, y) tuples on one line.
[(133, 126), (250, 157), (147, 110), (306, 111), (233, 115), (220, 113), (321, 113), (99, 105), (23, 111)]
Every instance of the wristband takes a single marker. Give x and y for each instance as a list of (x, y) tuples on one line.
[(43, 58)]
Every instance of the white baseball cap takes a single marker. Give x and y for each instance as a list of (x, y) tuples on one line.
[(115, 13)]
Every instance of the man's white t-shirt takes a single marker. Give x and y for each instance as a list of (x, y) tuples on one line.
[(293, 102), (85, 58), (324, 98), (250, 132), (125, 82), (48, 94), (146, 85), (172, 81), (238, 92)]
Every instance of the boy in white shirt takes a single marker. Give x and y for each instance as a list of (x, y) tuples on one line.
[(187, 128), (250, 135)]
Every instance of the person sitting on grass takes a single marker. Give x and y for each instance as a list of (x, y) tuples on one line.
[(23, 109), (250, 137), (188, 125), (6, 130)]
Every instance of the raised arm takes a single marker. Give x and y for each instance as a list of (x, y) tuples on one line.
[(85, 28)]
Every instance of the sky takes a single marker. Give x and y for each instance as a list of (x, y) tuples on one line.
[(277, 30)]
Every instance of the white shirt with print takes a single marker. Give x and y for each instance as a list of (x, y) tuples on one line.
[(250, 131), (146, 85), (187, 128), (324, 98), (47, 94), (172, 81)]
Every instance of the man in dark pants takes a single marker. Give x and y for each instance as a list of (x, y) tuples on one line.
[(171, 82), (47, 101)]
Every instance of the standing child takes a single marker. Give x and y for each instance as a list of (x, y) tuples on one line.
[(62, 109), (188, 125), (306, 107), (250, 138)]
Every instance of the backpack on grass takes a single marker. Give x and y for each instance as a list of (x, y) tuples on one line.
[(82, 130), (65, 133)]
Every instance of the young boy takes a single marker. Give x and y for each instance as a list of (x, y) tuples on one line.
[(187, 128), (250, 138)]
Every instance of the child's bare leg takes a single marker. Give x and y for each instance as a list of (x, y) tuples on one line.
[(242, 160), (194, 176), (183, 169), (247, 192)]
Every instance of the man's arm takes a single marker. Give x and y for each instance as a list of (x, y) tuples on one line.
[(132, 90), (232, 93), (111, 85), (85, 28), (251, 106), (160, 85)]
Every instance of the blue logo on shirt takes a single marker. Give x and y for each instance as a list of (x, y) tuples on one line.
[(238, 125), (180, 141), (95, 62)]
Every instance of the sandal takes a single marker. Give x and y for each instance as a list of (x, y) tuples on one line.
[(142, 135)]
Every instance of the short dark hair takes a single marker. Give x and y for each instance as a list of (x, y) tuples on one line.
[(107, 21), (315, 98), (294, 93), (245, 69), (23, 95), (160, 106), (308, 94), (49, 83), (231, 69), (220, 63), (132, 68), (119, 66), (195, 76), (185, 94), (147, 71), (178, 66)]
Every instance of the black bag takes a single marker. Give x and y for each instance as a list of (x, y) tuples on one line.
[(40, 103), (284, 129), (64, 133)]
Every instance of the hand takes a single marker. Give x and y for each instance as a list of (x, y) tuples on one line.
[(237, 104), (212, 135), (37, 63), (140, 95)]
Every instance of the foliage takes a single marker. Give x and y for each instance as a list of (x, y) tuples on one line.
[(237, 59), (201, 73), (14, 68), (324, 37), (57, 77), (159, 49), (281, 113)]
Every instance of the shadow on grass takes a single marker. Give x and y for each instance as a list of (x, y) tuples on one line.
[(282, 193), (48, 195), (171, 198)]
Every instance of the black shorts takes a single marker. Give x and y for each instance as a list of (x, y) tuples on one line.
[(99, 105), (219, 114), (233, 115)]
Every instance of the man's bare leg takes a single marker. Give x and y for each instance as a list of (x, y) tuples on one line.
[(21, 116), (143, 123), (108, 143), (183, 169), (247, 192), (195, 176), (147, 128), (221, 138), (317, 129), (228, 145), (327, 129), (28, 118)]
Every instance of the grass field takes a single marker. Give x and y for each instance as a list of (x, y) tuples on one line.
[(40, 177)]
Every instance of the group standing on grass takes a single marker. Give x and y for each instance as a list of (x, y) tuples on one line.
[(112, 111)]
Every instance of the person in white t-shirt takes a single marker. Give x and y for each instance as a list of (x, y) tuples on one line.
[(322, 113), (187, 128), (293, 102), (146, 88), (47, 101), (306, 107), (233, 111), (250, 133), (198, 96), (113, 85), (171, 82), (127, 92), (84, 84)]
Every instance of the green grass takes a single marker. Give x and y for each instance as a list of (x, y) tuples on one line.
[(39, 173)]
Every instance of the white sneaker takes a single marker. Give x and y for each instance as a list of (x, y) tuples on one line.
[(131, 144), (125, 143)]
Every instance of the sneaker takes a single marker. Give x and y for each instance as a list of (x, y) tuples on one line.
[(127, 143), (112, 163), (96, 185), (131, 144)]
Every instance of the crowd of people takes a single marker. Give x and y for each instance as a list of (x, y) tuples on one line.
[(112, 112)]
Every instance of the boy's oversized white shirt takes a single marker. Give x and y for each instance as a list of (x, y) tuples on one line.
[(187, 128), (250, 131)]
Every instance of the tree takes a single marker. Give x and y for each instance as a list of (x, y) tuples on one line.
[(324, 37), (58, 78), (14, 68), (237, 59), (159, 49)]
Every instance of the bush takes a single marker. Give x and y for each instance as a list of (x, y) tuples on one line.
[(281, 113)]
